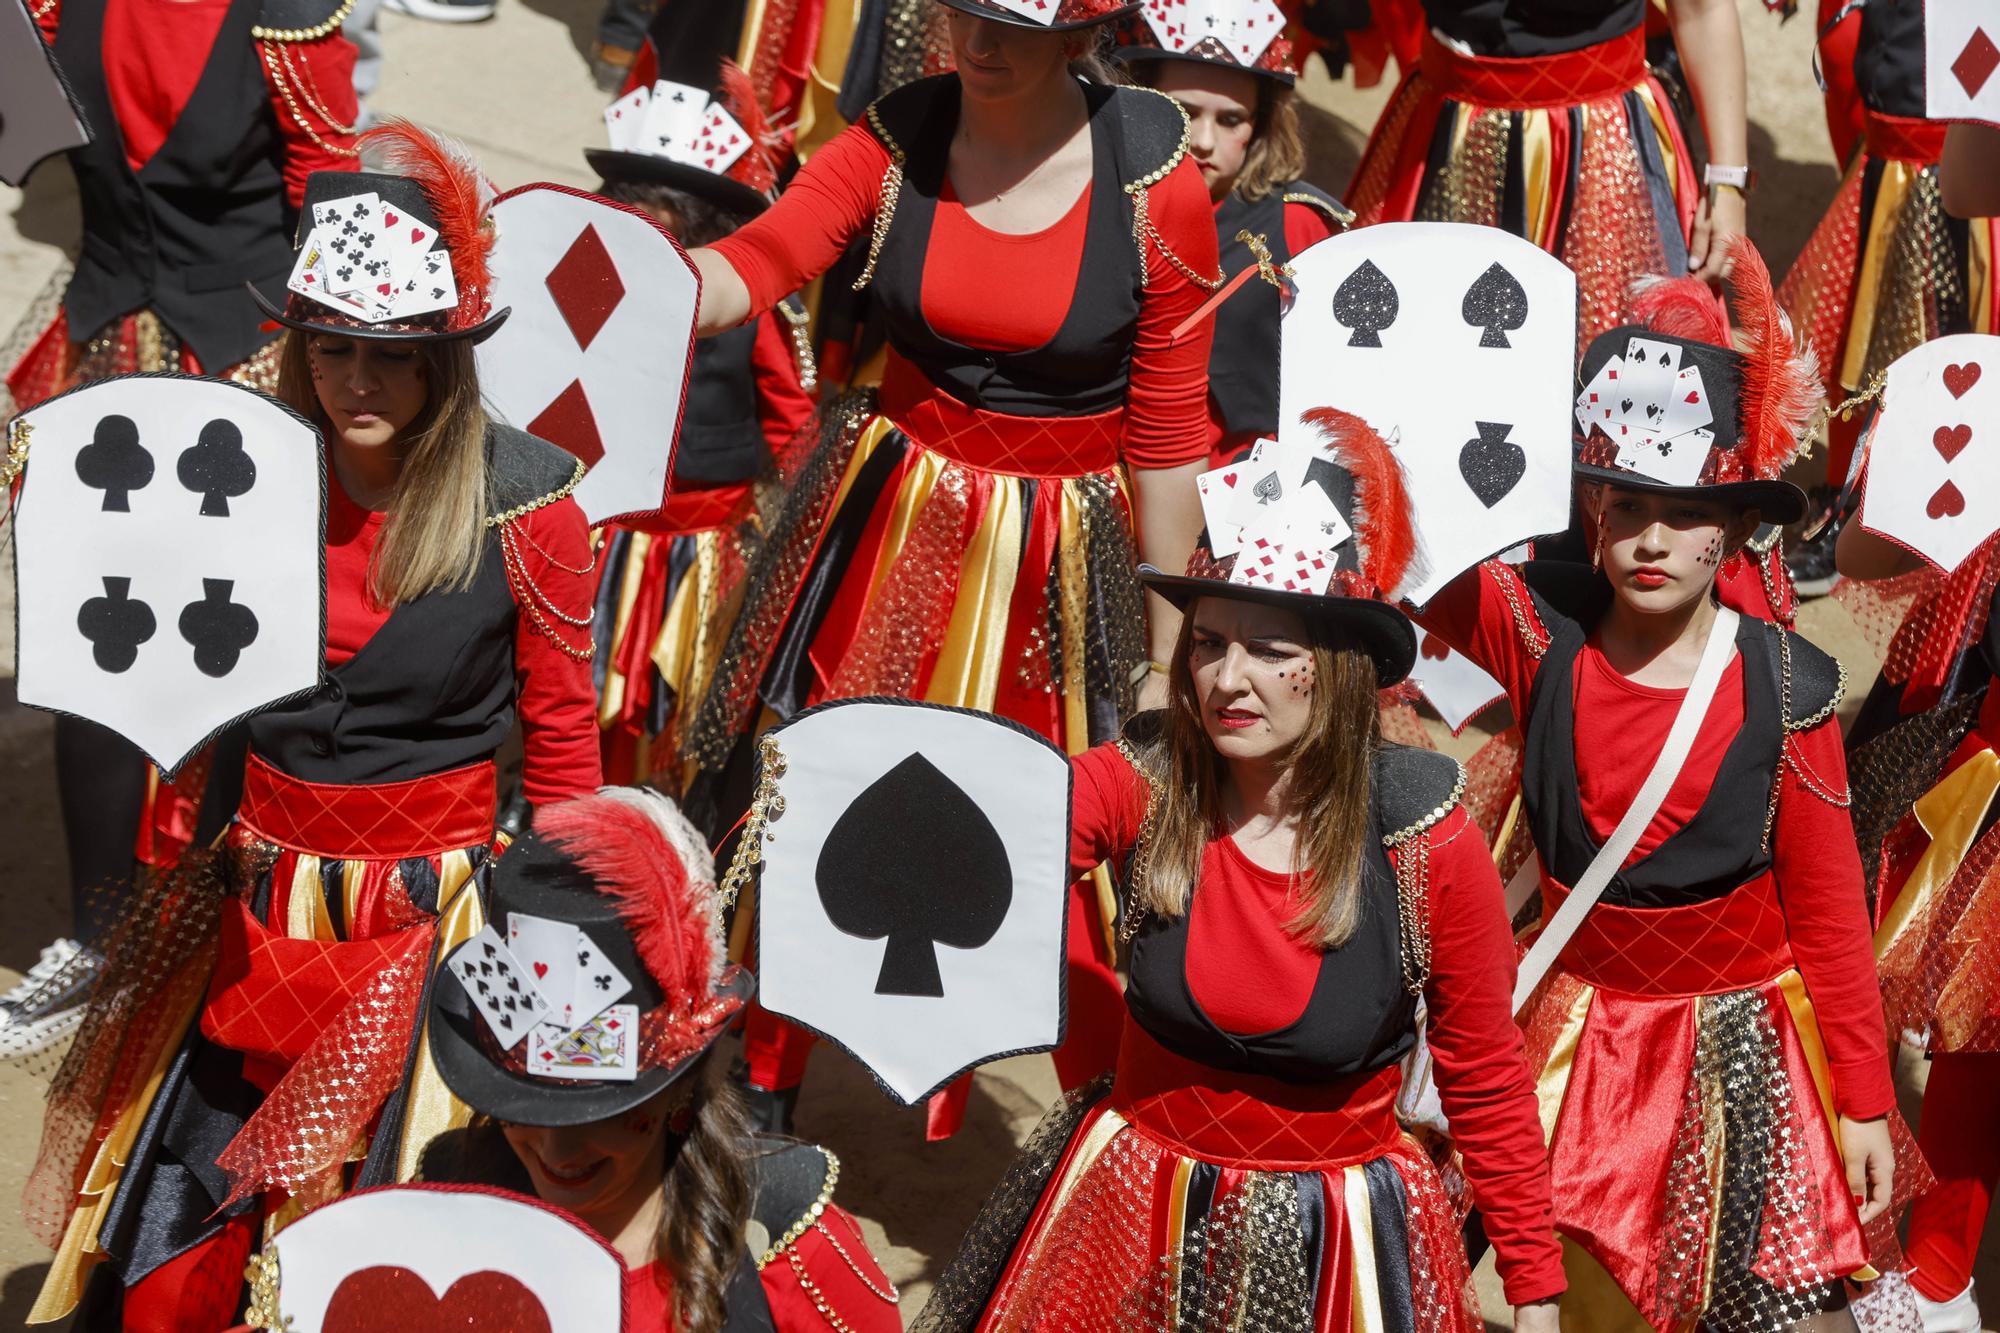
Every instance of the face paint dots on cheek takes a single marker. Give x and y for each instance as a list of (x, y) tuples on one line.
[(1711, 555)]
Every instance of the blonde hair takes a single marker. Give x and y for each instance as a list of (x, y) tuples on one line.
[(1277, 153), (1330, 792), (433, 534)]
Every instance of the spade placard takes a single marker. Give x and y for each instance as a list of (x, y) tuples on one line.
[(170, 557), (911, 906)]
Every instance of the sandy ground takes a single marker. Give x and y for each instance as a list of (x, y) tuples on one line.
[(517, 91)]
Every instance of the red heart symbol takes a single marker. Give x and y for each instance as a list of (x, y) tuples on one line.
[(416, 234), (541, 970), (1434, 649), (389, 219), (387, 1299), (1694, 396), (1951, 440), (1960, 378), (1946, 503), (383, 288)]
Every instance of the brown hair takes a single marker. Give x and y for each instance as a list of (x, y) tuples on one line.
[(1329, 793), (1277, 152), (434, 532), (705, 1201)]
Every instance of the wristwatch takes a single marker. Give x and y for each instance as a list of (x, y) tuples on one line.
[(1739, 179)]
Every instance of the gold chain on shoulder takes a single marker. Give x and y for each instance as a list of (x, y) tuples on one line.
[(42, 10), (803, 1223), (262, 1275), (892, 1296), (885, 203), (1784, 733), (1409, 831), (767, 807), (1336, 210), (1534, 637), (800, 327), (19, 433), (284, 88), (1413, 907), (1135, 906), (576, 476), (308, 90), (321, 29)]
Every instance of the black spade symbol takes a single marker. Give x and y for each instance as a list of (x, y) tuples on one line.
[(1491, 464), (218, 628), (1496, 303), (217, 467), (115, 463), (115, 625), (1268, 488), (915, 861), (1624, 405), (1366, 303)]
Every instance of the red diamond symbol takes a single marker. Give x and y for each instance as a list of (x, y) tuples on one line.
[(569, 423), (1975, 63), (586, 287)]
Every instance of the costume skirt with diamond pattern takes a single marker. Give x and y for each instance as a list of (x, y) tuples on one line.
[(1688, 1105), (1580, 153), (950, 555), (256, 1042)]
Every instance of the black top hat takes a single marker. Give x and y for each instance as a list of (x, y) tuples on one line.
[(614, 166), (1069, 14), (743, 180), (1163, 28), (557, 874)]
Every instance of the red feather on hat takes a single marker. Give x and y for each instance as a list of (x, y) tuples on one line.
[(757, 168), (458, 193), (1381, 518), (1781, 384), (1680, 308), (624, 838)]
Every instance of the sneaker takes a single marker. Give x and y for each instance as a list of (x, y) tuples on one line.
[(444, 11), (1810, 560), (47, 1005), (1960, 1314)]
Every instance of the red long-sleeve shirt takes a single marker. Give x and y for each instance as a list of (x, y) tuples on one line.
[(553, 691), (1237, 930), (1814, 858), (1003, 292)]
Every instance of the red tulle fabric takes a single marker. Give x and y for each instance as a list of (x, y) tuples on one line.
[(1941, 977), (906, 619), (1818, 291)]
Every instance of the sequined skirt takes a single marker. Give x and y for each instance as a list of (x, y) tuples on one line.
[(1580, 153)]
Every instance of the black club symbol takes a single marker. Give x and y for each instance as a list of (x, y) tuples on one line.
[(115, 463)]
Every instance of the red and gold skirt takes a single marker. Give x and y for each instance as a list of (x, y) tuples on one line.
[(1586, 141), (1688, 1105), (1198, 1200)]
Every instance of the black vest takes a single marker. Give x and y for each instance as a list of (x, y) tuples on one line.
[(1243, 366), (1360, 1018), (1533, 27), (722, 437), (433, 688), (207, 212), (1721, 848), (1889, 57), (1135, 135)]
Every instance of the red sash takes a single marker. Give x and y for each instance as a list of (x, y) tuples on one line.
[(1522, 83), (377, 821), (1730, 943)]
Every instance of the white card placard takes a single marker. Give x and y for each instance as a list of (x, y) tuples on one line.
[(1458, 345), (595, 356), (912, 902), (1934, 461), (170, 550), (1452, 683), (1962, 60)]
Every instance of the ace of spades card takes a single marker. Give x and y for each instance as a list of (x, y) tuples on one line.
[(911, 906), (1933, 479), (170, 549), (596, 355), (1457, 343), (1962, 60)]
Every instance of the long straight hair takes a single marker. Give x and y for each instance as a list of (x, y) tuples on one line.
[(1329, 793), (433, 534)]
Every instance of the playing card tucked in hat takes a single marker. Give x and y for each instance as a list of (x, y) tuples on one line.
[(1235, 34), (399, 254), (1321, 528), (1671, 405), (600, 976), (675, 134)]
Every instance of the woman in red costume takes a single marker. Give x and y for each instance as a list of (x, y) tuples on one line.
[(661, 1165), (458, 600), (1244, 135), (209, 115), (1542, 118), (966, 535), (1298, 886), (1709, 1044), (1888, 268)]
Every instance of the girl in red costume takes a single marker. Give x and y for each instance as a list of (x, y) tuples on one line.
[(1712, 1062), (1542, 118), (1298, 886), (1244, 135), (458, 599), (966, 534), (662, 1166), (208, 117)]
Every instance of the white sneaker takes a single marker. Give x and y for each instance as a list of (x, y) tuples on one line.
[(47, 1004), (444, 11), (1960, 1314)]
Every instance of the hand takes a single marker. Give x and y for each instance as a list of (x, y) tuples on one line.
[(1721, 215), (1871, 1164), (1540, 1317), (1152, 691)]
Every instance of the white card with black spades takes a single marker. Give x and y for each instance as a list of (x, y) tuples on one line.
[(1457, 344), (500, 986)]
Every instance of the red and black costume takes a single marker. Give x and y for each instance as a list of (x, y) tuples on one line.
[(962, 536), (1541, 118)]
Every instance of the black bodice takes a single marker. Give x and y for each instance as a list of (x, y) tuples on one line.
[(1533, 27), (1243, 365), (1889, 57)]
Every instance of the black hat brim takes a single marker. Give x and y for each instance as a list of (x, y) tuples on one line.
[(478, 333), (1376, 628), (980, 9), (1776, 501), (614, 165), (522, 1099), (1139, 55)]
